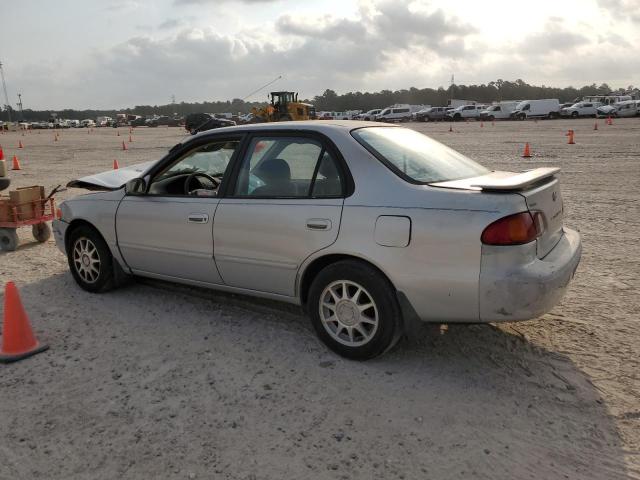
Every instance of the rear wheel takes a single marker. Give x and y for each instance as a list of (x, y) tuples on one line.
[(8, 239), (90, 260), (574, 114), (354, 310), (41, 232)]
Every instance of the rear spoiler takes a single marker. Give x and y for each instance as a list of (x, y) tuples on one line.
[(501, 181)]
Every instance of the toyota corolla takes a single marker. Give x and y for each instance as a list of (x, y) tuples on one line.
[(370, 227)]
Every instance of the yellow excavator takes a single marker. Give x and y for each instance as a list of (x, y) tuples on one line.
[(283, 107)]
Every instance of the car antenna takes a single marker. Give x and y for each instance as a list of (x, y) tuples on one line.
[(243, 99)]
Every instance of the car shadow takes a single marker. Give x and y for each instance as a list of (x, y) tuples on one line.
[(147, 379)]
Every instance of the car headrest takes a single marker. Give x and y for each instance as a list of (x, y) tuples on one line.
[(274, 169)]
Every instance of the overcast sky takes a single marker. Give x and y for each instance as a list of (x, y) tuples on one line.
[(120, 53)]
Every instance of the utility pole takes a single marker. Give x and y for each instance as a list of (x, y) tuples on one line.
[(6, 97), (20, 107)]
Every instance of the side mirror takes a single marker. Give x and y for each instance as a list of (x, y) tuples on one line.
[(136, 186)]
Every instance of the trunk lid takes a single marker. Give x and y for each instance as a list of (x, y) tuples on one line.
[(112, 179), (540, 189)]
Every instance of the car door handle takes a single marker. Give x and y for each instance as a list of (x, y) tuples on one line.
[(318, 224), (198, 218)]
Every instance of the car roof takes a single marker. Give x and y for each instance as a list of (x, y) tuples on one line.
[(322, 126)]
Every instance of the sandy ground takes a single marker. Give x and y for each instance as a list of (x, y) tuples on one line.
[(159, 381)]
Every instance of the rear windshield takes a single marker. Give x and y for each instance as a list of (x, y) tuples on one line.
[(416, 157)]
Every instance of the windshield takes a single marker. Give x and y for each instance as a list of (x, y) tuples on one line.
[(416, 157)]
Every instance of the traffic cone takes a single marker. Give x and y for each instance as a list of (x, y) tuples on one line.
[(130, 140), (55, 138), (609, 120), (16, 163), (118, 134), (18, 341), (481, 124), (527, 151), (124, 145), (493, 123), (570, 140), (20, 144), (115, 164), (1, 154), (595, 126), (450, 128)]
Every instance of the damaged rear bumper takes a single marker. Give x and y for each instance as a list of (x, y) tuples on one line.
[(516, 285)]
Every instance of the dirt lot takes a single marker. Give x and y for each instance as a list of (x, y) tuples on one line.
[(159, 381)]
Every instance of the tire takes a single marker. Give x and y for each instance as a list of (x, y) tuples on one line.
[(357, 340), (574, 114), (8, 239), (491, 118), (85, 240), (41, 232), (457, 117)]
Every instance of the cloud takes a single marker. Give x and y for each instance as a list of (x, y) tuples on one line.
[(202, 2), (622, 10), (171, 23)]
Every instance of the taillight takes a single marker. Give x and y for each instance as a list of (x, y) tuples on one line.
[(58, 213), (515, 229)]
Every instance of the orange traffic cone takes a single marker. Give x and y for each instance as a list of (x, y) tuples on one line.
[(20, 144), (115, 164), (493, 123), (130, 140), (18, 341), (570, 140), (450, 128), (55, 138), (1, 154), (595, 126), (124, 145), (118, 134), (481, 124), (527, 151), (16, 163)]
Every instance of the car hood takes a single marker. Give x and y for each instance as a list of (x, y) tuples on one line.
[(112, 179), (607, 108)]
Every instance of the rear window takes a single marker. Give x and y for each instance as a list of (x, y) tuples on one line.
[(416, 157)]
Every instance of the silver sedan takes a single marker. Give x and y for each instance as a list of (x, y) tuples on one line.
[(370, 227)]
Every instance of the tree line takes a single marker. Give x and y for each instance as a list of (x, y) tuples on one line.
[(332, 101)]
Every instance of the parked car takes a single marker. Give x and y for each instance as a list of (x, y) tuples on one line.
[(431, 114), (86, 123), (580, 109), (499, 111), (544, 108), (200, 122), (330, 216), (464, 112), (626, 108), (370, 115)]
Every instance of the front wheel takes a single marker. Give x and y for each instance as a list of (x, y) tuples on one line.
[(354, 310), (8, 239), (90, 260)]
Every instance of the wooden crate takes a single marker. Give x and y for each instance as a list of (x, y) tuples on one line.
[(28, 201)]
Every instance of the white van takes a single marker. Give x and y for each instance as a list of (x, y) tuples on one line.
[(398, 113), (580, 109), (543, 108), (499, 111)]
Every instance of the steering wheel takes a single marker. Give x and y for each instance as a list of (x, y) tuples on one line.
[(215, 182)]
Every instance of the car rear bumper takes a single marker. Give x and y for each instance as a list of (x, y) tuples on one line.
[(59, 229), (531, 288)]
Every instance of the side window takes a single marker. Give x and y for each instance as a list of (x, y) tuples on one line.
[(287, 167), (205, 165), (527, 107)]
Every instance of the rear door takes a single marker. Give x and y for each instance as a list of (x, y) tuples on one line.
[(285, 203)]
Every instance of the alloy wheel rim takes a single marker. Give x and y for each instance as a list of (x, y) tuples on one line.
[(86, 260), (348, 313)]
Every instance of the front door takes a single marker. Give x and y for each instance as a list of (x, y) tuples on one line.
[(285, 205), (168, 230)]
